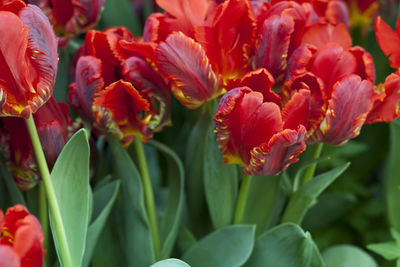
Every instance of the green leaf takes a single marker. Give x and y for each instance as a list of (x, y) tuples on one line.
[(185, 239), (172, 216), (70, 177), (220, 183), (119, 12), (261, 201), (229, 246), (170, 263), (137, 237), (60, 90), (388, 250), (393, 177), (347, 256), (307, 194), (197, 206), (285, 245), (104, 199)]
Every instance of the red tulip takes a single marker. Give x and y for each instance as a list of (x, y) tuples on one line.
[(28, 59), (52, 123), (389, 40), (70, 18), (117, 86), (21, 239), (252, 129)]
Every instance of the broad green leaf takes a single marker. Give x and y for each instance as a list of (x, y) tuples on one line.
[(172, 216), (70, 178), (14, 192), (185, 239), (104, 199), (60, 90), (347, 256), (307, 194), (388, 250), (137, 237), (197, 206), (170, 263), (285, 245), (261, 201), (229, 246), (220, 183), (393, 177), (119, 12)]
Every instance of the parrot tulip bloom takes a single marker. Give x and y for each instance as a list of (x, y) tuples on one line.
[(117, 87), (389, 40), (71, 18), (340, 78), (28, 60), (52, 123), (21, 239), (252, 129)]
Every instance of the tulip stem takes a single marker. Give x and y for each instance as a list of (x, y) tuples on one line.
[(43, 214), (64, 253), (242, 199), (309, 174), (148, 194)]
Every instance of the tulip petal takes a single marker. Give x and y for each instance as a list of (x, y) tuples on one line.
[(273, 47), (351, 101), (387, 107), (365, 63), (297, 110), (321, 34), (185, 63), (389, 41), (88, 82), (278, 154), (9, 258)]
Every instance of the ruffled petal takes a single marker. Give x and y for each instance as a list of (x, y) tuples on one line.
[(389, 41), (321, 34), (365, 63), (273, 157), (273, 46), (347, 111), (185, 63), (297, 110), (386, 106)]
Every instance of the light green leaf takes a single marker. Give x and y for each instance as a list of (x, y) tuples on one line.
[(70, 178), (172, 216), (170, 263), (388, 250), (285, 245), (393, 177), (104, 199), (137, 237), (307, 194), (229, 246), (347, 256), (220, 183)]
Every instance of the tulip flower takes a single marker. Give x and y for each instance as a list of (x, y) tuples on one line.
[(362, 12), (21, 239), (71, 18), (52, 123), (340, 78), (28, 59), (389, 40), (253, 130), (117, 87)]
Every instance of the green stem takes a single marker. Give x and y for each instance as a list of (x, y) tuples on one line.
[(309, 174), (242, 199), (148, 194), (43, 214), (64, 253)]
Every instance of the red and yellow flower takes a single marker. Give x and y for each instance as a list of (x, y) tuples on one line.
[(21, 239), (28, 59)]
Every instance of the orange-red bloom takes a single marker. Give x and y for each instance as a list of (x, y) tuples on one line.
[(117, 86), (21, 239), (340, 78), (28, 59), (70, 18), (52, 123), (389, 40), (252, 129)]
